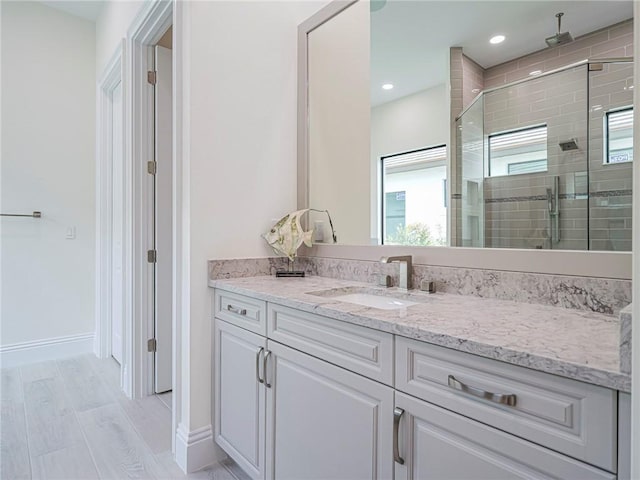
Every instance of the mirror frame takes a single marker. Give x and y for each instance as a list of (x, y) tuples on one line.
[(602, 264)]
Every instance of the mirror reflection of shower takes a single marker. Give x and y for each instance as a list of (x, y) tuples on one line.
[(546, 161)]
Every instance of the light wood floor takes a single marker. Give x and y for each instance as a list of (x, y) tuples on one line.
[(69, 420)]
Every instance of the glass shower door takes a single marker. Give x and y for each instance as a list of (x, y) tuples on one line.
[(470, 160), (535, 169), (610, 155)]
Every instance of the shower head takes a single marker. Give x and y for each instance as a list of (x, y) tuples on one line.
[(568, 145), (559, 38)]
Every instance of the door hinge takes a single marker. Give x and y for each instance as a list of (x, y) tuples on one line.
[(152, 77), (152, 344), (152, 167), (152, 256)]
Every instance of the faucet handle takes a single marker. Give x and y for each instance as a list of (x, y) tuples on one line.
[(428, 286)]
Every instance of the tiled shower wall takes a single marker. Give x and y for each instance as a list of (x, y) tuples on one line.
[(466, 82), (472, 80), (516, 210), (456, 105)]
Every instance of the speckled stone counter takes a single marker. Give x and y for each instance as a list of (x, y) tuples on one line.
[(571, 343)]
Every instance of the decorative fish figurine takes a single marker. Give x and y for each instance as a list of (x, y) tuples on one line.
[(286, 236)]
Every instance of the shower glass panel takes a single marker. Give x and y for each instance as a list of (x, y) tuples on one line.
[(546, 162), (470, 134), (610, 155), (539, 209)]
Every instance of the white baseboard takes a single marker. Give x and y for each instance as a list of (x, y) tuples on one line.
[(196, 449), (24, 353)]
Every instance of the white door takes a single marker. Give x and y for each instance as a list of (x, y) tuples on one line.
[(117, 218), (324, 422), (163, 218), (239, 396), (435, 443)]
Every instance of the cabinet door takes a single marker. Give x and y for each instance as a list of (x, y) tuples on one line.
[(324, 422), (239, 397), (435, 443)]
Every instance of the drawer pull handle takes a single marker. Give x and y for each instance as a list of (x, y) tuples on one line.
[(260, 352), (264, 368), (397, 415), (502, 398), (239, 311)]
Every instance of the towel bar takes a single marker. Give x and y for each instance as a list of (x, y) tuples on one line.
[(32, 215)]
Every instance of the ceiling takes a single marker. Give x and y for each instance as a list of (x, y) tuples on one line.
[(87, 9), (410, 40)]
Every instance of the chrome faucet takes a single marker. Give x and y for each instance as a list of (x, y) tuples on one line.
[(406, 269)]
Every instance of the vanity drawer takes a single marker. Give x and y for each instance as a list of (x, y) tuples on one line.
[(240, 310), (359, 349), (568, 416)]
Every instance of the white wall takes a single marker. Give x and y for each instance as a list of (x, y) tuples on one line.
[(48, 137), (408, 123), (339, 117), (111, 27), (243, 147)]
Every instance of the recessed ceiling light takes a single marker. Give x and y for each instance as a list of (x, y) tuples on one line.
[(387, 86), (535, 72), (497, 39)]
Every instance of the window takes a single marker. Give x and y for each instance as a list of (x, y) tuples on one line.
[(414, 197), (619, 136), (518, 151)]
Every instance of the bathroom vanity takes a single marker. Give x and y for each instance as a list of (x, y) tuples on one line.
[(309, 384)]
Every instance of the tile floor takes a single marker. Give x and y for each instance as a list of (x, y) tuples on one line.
[(68, 419)]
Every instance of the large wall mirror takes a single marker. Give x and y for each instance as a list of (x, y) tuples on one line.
[(469, 123)]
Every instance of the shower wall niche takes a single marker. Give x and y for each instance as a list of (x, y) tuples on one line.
[(546, 162)]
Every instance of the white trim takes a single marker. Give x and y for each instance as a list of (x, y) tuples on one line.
[(181, 211), (635, 329), (112, 76), (109, 79), (23, 353), (146, 30), (195, 449)]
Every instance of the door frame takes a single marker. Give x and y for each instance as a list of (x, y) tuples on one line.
[(112, 76), (146, 31), (129, 65), (191, 448), (152, 22)]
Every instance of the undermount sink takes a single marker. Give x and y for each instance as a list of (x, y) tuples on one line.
[(375, 301), (368, 297)]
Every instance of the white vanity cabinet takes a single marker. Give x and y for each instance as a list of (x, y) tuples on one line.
[(240, 396), (325, 422), (434, 443), (302, 396), (283, 414)]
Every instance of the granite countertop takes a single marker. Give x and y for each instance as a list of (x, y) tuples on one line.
[(575, 344)]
